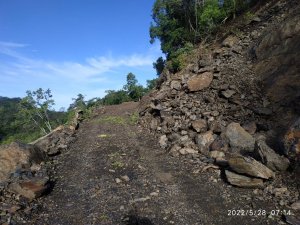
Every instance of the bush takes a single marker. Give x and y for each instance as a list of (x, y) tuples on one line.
[(179, 58), (210, 17)]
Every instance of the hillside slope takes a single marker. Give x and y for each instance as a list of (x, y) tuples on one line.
[(250, 76)]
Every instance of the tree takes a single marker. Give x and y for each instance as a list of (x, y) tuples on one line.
[(115, 97), (131, 82), (78, 103), (170, 26), (179, 23), (159, 65), (151, 84), (35, 106), (134, 90)]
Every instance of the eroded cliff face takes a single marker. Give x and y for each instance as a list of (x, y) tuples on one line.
[(237, 96), (278, 67)]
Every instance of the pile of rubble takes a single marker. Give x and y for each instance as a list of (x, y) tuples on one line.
[(215, 109)]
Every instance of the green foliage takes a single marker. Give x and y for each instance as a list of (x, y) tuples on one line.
[(178, 59), (78, 103), (22, 119), (132, 91), (248, 16), (171, 25), (151, 84), (113, 120), (159, 65), (35, 109), (210, 16), (133, 119), (8, 110), (178, 23), (115, 97)]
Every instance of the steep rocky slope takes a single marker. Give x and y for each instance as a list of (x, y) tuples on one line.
[(237, 103)]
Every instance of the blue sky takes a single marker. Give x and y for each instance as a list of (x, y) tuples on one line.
[(74, 46)]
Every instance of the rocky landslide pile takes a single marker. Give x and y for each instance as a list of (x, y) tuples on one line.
[(25, 172), (236, 103)]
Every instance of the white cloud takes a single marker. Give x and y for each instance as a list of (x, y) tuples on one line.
[(79, 71), (69, 78)]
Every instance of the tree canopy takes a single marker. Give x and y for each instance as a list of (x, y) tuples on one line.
[(178, 23)]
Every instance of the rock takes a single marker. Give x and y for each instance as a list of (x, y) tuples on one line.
[(250, 127), (139, 200), (204, 141), (199, 82), (263, 111), (118, 180), (268, 157), (176, 85), (278, 192), (291, 141), (216, 127), (243, 181), (16, 155), (53, 152), (175, 150), (199, 125), (256, 19), (185, 151), (249, 166), (153, 124), (293, 219), (219, 144), (184, 139), (239, 138), (217, 155), (125, 178), (296, 205), (163, 141), (230, 41), (221, 162), (154, 194), (30, 189), (228, 93)]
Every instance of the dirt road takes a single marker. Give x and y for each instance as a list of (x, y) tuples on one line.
[(115, 173)]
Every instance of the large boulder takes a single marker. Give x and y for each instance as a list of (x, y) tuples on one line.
[(243, 181), (269, 157), (239, 138), (57, 140), (18, 155), (249, 166), (199, 82), (31, 188)]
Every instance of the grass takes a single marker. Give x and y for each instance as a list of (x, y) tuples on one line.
[(119, 120), (113, 120), (117, 165), (134, 117), (103, 217), (116, 162)]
